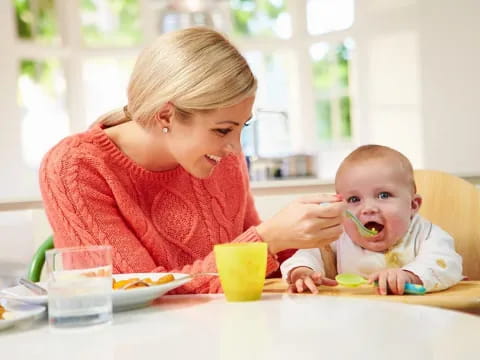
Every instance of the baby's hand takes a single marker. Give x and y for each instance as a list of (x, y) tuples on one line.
[(303, 278), (393, 280)]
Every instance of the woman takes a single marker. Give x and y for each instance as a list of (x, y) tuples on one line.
[(164, 179)]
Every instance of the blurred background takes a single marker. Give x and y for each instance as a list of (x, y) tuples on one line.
[(333, 74)]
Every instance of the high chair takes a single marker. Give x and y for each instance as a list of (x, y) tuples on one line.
[(453, 204)]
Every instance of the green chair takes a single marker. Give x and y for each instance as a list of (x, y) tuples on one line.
[(36, 265)]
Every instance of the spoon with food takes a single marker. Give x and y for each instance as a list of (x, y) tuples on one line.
[(362, 229)]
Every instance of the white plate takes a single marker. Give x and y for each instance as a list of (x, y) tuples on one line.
[(140, 297), (121, 299), (19, 313)]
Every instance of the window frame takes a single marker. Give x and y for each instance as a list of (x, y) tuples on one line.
[(301, 109), (72, 53)]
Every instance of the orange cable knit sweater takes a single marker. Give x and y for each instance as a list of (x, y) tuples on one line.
[(164, 221)]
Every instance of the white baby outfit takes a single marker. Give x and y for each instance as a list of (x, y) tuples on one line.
[(426, 250)]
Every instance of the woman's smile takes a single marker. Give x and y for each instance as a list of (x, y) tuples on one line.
[(213, 159)]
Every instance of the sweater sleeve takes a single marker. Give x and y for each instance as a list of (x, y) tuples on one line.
[(437, 264), (251, 214), (209, 284), (83, 211), (304, 257)]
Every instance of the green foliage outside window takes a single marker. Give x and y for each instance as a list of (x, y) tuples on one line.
[(345, 118), (324, 74), (246, 12), (124, 17), (332, 71), (343, 55), (36, 20), (331, 83), (40, 72), (324, 119)]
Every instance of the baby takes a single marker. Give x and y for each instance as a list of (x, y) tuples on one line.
[(378, 185)]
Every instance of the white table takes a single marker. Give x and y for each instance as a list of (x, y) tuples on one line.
[(280, 326)]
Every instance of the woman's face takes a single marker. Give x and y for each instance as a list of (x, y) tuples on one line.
[(199, 143)]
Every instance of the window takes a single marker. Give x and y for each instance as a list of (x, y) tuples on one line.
[(253, 18), (36, 21), (42, 102), (40, 83), (324, 16), (70, 62), (110, 22), (331, 88), (269, 134), (304, 73), (105, 81)]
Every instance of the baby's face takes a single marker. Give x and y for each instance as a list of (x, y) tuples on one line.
[(381, 196)]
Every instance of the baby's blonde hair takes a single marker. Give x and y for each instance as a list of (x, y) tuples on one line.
[(372, 151), (196, 69)]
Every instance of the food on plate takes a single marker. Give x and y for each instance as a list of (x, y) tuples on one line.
[(145, 282), (2, 310)]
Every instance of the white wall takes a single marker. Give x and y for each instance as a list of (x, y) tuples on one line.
[(418, 76), (388, 76), (450, 57)]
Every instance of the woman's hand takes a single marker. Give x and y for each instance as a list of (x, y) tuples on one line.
[(393, 280), (303, 278), (304, 224)]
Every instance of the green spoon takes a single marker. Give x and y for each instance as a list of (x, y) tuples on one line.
[(366, 232), (350, 280), (354, 280)]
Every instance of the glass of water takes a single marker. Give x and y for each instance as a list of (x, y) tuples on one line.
[(79, 286)]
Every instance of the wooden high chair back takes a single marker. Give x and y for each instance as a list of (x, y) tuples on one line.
[(453, 204)]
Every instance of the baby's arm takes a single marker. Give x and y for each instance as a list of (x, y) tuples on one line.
[(305, 271), (437, 264), (310, 258)]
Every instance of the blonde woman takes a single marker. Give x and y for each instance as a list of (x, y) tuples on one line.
[(164, 179)]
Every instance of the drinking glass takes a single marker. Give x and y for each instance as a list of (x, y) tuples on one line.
[(242, 269), (79, 286)]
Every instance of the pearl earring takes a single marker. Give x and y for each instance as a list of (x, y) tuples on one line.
[(165, 130)]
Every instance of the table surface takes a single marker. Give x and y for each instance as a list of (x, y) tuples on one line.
[(279, 326)]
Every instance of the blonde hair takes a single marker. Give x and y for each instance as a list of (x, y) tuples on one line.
[(372, 151), (195, 69)]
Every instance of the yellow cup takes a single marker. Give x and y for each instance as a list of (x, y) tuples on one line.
[(242, 268)]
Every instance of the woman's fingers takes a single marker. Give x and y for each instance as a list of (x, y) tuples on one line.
[(321, 237), (304, 224), (326, 228), (320, 198), (332, 210)]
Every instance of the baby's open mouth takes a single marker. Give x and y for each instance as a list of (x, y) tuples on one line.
[(372, 225)]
